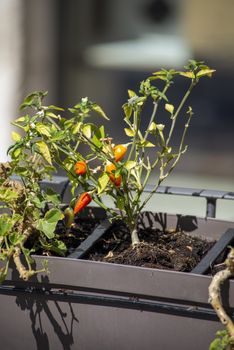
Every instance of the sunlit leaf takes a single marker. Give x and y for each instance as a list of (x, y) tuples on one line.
[(56, 108), (48, 224), (87, 130), (7, 195), (100, 111), (127, 110), (52, 115), (152, 127), (160, 127), (6, 224), (33, 100), (130, 164), (43, 129), (131, 93), (147, 144), (205, 72), (169, 108), (189, 75), (99, 134), (44, 151), (129, 132), (15, 136), (22, 119), (76, 128), (57, 136), (102, 182)]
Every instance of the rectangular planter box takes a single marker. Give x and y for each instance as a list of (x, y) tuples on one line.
[(93, 305)]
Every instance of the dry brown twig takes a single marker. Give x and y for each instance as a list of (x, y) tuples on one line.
[(215, 294)]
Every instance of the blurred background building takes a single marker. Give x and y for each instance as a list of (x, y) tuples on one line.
[(100, 48)]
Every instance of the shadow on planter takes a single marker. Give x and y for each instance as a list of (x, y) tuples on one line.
[(38, 308)]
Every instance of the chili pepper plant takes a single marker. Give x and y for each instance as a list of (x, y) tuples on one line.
[(52, 138)]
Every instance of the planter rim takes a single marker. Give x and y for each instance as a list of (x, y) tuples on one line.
[(108, 278)]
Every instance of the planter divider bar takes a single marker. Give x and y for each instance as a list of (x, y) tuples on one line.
[(206, 263), (87, 244)]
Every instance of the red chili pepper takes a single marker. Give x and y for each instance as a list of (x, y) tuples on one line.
[(110, 169), (80, 167), (82, 202), (119, 152)]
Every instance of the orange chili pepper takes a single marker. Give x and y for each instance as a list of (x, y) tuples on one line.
[(119, 152), (82, 202), (80, 167), (116, 180)]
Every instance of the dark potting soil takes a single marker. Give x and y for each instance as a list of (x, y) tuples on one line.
[(171, 250), (78, 232)]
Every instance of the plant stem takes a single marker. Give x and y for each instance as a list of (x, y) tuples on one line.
[(136, 123), (215, 294), (193, 83), (134, 237), (180, 152)]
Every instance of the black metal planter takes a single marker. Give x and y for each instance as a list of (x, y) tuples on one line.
[(92, 305)]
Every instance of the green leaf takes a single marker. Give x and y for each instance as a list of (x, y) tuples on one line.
[(56, 108), (102, 182), (147, 144), (87, 130), (152, 127), (48, 224), (58, 247), (52, 196), (102, 131), (129, 132), (15, 152), (76, 128), (160, 127), (15, 238), (55, 245), (57, 135), (99, 134), (100, 111), (162, 95), (205, 72), (15, 136), (52, 115), (6, 224), (54, 215), (43, 129), (33, 100), (7, 195), (127, 110), (169, 108), (131, 93), (22, 119), (44, 151), (189, 75), (130, 164)]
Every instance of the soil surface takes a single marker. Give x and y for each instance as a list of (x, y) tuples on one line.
[(78, 232), (173, 250)]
